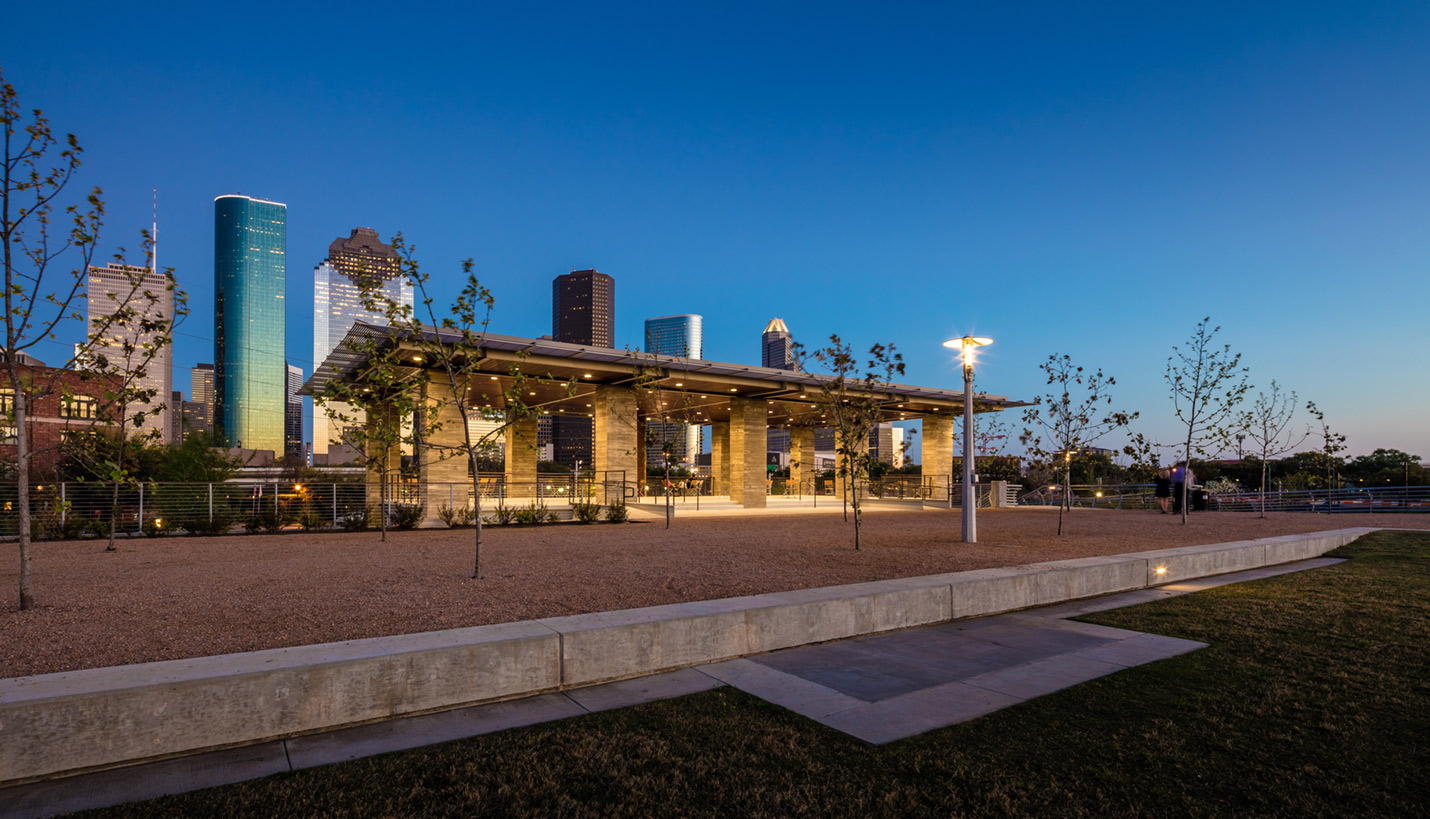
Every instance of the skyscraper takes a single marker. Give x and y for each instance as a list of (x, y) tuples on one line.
[(250, 247), (145, 295), (680, 336), (777, 346), (583, 311), (293, 412), (777, 350), (583, 308), (337, 304), (201, 391)]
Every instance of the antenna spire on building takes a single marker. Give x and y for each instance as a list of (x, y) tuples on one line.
[(154, 236)]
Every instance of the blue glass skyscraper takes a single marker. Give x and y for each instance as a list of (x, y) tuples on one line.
[(250, 249), (674, 335)]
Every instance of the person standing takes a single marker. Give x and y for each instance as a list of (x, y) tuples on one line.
[(1179, 486), (1163, 491)]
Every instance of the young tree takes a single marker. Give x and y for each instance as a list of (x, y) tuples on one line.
[(449, 346), (41, 296), (121, 349), (1331, 443), (1075, 414), (853, 405), (1207, 384), (1268, 425)]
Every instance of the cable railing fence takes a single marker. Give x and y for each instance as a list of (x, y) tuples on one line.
[(83, 509)]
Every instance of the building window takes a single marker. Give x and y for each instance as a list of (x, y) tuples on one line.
[(79, 407)]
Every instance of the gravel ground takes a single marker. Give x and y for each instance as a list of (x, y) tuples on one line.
[(180, 597)]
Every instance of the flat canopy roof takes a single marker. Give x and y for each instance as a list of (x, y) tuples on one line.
[(699, 390)]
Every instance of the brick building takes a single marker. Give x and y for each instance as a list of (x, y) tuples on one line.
[(74, 404)]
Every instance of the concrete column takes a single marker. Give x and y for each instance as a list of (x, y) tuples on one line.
[(998, 491), (616, 444), (749, 428), (519, 463), (642, 443), (392, 458), (801, 459), (442, 473), (720, 458), (841, 474), (936, 455)]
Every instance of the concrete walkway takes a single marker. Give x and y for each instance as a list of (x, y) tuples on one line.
[(878, 688)]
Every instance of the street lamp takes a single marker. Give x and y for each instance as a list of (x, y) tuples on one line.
[(967, 345)]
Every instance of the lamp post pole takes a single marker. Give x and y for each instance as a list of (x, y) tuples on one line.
[(970, 500), (967, 345)]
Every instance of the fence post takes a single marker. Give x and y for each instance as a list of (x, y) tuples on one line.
[(141, 507), (63, 506), (335, 505), (211, 505)]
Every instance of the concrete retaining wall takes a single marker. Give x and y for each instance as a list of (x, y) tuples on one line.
[(55, 724)]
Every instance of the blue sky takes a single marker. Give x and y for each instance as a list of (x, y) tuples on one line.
[(1065, 180)]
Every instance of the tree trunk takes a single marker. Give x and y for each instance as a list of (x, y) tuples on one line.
[(1263, 484), (22, 454)]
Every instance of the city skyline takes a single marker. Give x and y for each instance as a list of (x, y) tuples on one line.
[(981, 171)]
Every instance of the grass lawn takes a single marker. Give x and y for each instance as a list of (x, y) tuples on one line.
[(1313, 699)]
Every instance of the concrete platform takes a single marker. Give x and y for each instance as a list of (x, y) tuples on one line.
[(878, 688)]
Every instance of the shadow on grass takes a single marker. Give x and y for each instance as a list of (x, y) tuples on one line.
[(1313, 699)]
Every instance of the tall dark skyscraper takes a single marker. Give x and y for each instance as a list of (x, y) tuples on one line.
[(583, 311), (250, 245), (777, 347), (583, 308), (293, 412)]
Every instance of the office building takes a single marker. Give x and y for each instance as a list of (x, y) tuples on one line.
[(583, 308), (293, 413), (119, 300), (777, 346), (679, 336), (583, 311), (201, 392), (250, 248), (337, 303)]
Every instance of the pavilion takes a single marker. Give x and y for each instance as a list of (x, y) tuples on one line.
[(621, 390)]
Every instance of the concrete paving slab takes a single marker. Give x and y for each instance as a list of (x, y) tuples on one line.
[(642, 689), (1044, 676), (918, 712), (877, 670), (427, 729), (1144, 648), (113, 787), (786, 690)]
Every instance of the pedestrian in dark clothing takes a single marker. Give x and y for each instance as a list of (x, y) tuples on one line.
[(1164, 489)]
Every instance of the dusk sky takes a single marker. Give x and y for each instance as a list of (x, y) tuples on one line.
[(1088, 179)]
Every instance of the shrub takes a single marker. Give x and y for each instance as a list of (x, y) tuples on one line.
[(97, 528), (502, 516), (617, 513), (311, 521), (407, 516), (457, 518), (529, 514), (587, 512), (358, 520), (199, 523)]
